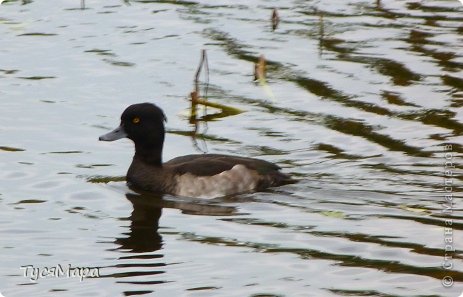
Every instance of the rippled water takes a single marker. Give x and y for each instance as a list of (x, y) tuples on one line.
[(362, 103)]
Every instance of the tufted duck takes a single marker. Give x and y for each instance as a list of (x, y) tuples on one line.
[(200, 175)]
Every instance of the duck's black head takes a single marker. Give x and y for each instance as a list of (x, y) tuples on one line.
[(143, 123)]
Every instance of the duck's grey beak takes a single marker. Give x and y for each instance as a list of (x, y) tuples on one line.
[(116, 134)]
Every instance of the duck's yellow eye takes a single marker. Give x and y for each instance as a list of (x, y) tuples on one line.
[(136, 120)]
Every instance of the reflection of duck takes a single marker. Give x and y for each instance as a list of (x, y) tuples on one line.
[(147, 210), (143, 235), (206, 175), (143, 264)]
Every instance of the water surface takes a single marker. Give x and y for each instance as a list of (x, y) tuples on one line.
[(362, 103)]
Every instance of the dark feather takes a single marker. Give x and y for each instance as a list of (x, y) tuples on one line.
[(212, 164)]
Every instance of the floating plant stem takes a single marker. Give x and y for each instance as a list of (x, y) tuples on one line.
[(275, 19), (321, 33), (203, 63), (196, 97), (260, 68), (260, 71), (225, 109)]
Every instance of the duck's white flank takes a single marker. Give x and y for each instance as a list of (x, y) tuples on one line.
[(239, 179)]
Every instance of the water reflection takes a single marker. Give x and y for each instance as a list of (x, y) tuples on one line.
[(144, 223), (143, 243), (147, 202), (366, 94), (143, 235)]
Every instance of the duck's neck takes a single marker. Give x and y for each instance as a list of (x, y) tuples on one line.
[(151, 155)]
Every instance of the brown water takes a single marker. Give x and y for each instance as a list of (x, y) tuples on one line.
[(362, 103)]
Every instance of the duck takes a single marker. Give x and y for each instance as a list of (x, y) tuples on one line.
[(196, 175)]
